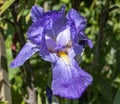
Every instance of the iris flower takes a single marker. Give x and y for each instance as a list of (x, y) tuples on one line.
[(55, 36)]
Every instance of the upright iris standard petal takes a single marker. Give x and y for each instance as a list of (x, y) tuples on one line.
[(27, 51), (79, 21), (51, 44), (46, 51), (35, 32), (59, 21), (69, 81), (36, 13), (78, 24), (48, 23), (64, 37)]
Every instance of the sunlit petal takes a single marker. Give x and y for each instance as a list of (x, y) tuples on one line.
[(79, 21), (36, 13), (69, 81), (64, 37), (27, 51)]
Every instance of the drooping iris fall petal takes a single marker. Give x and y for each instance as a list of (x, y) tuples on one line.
[(70, 80), (26, 52)]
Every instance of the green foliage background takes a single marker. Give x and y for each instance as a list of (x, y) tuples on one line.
[(102, 61)]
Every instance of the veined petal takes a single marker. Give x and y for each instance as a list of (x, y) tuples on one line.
[(35, 32), (58, 21), (80, 22), (69, 81), (36, 13), (45, 52), (47, 56), (64, 37), (27, 51), (50, 43), (55, 15), (48, 23)]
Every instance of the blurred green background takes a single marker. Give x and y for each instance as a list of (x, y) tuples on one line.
[(102, 61)]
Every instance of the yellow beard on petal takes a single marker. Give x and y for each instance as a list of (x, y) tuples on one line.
[(64, 57)]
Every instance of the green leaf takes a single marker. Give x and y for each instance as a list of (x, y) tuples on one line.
[(5, 6), (117, 97), (27, 18), (39, 99), (21, 8), (65, 1), (3, 102), (20, 14), (19, 81)]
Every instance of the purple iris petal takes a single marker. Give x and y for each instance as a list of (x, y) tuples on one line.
[(50, 57), (75, 50), (35, 32), (27, 51), (36, 13), (69, 81), (84, 38), (59, 21), (55, 15), (49, 94), (64, 37), (45, 50), (63, 8), (46, 53), (48, 23), (79, 21), (51, 44)]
